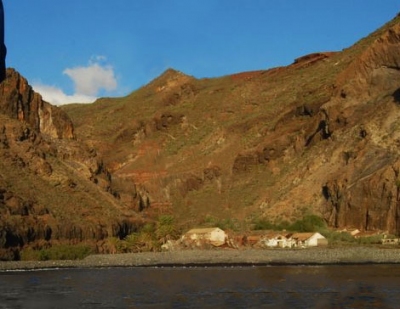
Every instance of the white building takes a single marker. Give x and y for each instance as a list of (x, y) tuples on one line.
[(276, 240), (213, 235), (309, 239)]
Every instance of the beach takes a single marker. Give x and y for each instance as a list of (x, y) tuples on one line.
[(309, 256)]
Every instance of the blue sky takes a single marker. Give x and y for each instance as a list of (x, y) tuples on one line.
[(78, 50)]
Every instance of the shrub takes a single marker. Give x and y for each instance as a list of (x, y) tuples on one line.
[(58, 252), (370, 240), (310, 223), (141, 242), (224, 224), (338, 238), (166, 228), (150, 237), (263, 224)]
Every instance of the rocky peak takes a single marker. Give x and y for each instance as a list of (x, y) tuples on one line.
[(170, 79), (310, 59), (377, 68), (19, 101)]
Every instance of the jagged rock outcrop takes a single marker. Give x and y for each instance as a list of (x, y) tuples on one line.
[(376, 70), (367, 201), (362, 118), (19, 101)]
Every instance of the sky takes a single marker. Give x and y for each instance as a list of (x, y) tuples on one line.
[(80, 50)]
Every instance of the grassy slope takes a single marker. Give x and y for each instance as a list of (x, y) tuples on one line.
[(223, 117)]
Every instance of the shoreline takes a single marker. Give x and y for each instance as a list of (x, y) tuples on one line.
[(221, 257)]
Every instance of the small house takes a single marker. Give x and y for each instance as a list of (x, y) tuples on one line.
[(268, 239), (213, 235), (276, 240), (256, 238), (309, 239)]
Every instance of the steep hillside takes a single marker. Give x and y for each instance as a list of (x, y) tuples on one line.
[(319, 136), (53, 189)]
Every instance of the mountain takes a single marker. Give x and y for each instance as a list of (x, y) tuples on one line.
[(320, 136)]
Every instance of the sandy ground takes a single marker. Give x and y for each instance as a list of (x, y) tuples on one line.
[(310, 256)]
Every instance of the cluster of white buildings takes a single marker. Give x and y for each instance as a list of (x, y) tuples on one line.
[(264, 239), (215, 237), (273, 239)]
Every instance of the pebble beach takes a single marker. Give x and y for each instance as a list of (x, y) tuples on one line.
[(309, 256)]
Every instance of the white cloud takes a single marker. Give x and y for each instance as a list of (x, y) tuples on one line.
[(56, 96), (88, 82)]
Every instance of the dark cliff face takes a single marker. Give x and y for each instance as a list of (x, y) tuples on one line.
[(362, 118), (19, 101)]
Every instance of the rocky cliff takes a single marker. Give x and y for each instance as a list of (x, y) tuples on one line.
[(364, 113), (19, 101), (53, 189)]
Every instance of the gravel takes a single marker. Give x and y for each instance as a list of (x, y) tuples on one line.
[(309, 256)]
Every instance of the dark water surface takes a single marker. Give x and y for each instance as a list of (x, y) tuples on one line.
[(363, 286)]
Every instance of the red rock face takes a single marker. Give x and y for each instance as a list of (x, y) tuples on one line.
[(365, 193), (377, 69), (19, 101)]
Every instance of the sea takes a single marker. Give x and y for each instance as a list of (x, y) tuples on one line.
[(340, 286)]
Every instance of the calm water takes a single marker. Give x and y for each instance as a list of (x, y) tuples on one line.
[(212, 287)]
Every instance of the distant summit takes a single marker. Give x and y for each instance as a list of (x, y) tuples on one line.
[(169, 79), (171, 73)]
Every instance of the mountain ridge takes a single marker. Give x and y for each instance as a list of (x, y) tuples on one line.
[(319, 136), (262, 120)]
